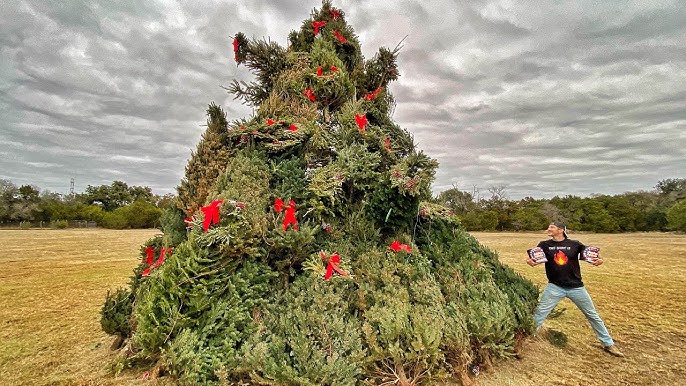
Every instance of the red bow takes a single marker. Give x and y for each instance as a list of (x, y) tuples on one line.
[(146, 272), (293, 128), (161, 259), (308, 93), (340, 37), (361, 121), (151, 255), (331, 266), (387, 143), (270, 122), (319, 71), (334, 68), (290, 217), (235, 48), (397, 247), (278, 205), (335, 14), (372, 94), (211, 214), (317, 25)]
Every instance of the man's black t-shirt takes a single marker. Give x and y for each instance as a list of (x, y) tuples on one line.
[(562, 268)]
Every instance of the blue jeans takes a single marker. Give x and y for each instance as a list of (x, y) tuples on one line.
[(553, 294)]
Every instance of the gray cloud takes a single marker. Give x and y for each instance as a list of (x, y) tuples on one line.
[(545, 98)]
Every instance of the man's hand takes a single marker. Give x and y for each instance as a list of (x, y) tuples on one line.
[(531, 262), (598, 262)]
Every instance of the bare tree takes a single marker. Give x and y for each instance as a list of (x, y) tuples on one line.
[(498, 192)]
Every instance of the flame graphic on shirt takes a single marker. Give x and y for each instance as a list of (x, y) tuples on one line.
[(560, 258)]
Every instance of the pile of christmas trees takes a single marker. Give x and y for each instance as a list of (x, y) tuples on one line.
[(302, 252)]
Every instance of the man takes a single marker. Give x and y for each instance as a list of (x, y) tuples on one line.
[(564, 281)]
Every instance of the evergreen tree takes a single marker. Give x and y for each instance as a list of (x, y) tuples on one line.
[(312, 257)]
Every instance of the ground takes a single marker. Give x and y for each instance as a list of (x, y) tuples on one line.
[(53, 282)]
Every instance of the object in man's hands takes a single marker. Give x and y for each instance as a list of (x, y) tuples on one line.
[(536, 254), (591, 254)]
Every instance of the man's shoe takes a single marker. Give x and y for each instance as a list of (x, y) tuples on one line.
[(613, 350)]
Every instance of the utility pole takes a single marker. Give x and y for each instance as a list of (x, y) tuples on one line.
[(71, 188)]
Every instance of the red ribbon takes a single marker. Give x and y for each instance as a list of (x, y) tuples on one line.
[(290, 217), (331, 266), (361, 121), (340, 37), (387, 143), (397, 247), (270, 122), (335, 14), (161, 259), (151, 255), (163, 251), (293, 128), (308, 93), (317, 25), (235, 48), (278, 205), (334, 68), (211, 214), (372, 94), (319, 71)]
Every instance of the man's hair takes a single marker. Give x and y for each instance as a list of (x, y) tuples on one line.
[(562, 226)]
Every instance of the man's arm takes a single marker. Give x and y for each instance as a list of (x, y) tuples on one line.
[(597, 260)]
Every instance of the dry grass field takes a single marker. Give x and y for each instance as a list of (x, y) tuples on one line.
[(52, 285), (53, 282)]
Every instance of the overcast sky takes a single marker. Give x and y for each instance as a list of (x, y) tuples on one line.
[(552, 98)]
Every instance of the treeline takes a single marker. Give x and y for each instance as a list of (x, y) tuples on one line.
[(119, 206), (115, 206), (662, 209)]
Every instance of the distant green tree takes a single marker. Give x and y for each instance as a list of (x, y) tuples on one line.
[(480, 220), (116, 195), (676, 217), (26, 206), (571, 209), (458, 201), (622, 211), (51, 206), (9, 194), (674, 187), (646, 207), (596, 218), (656, 220), (530, 217), (137, 215)]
